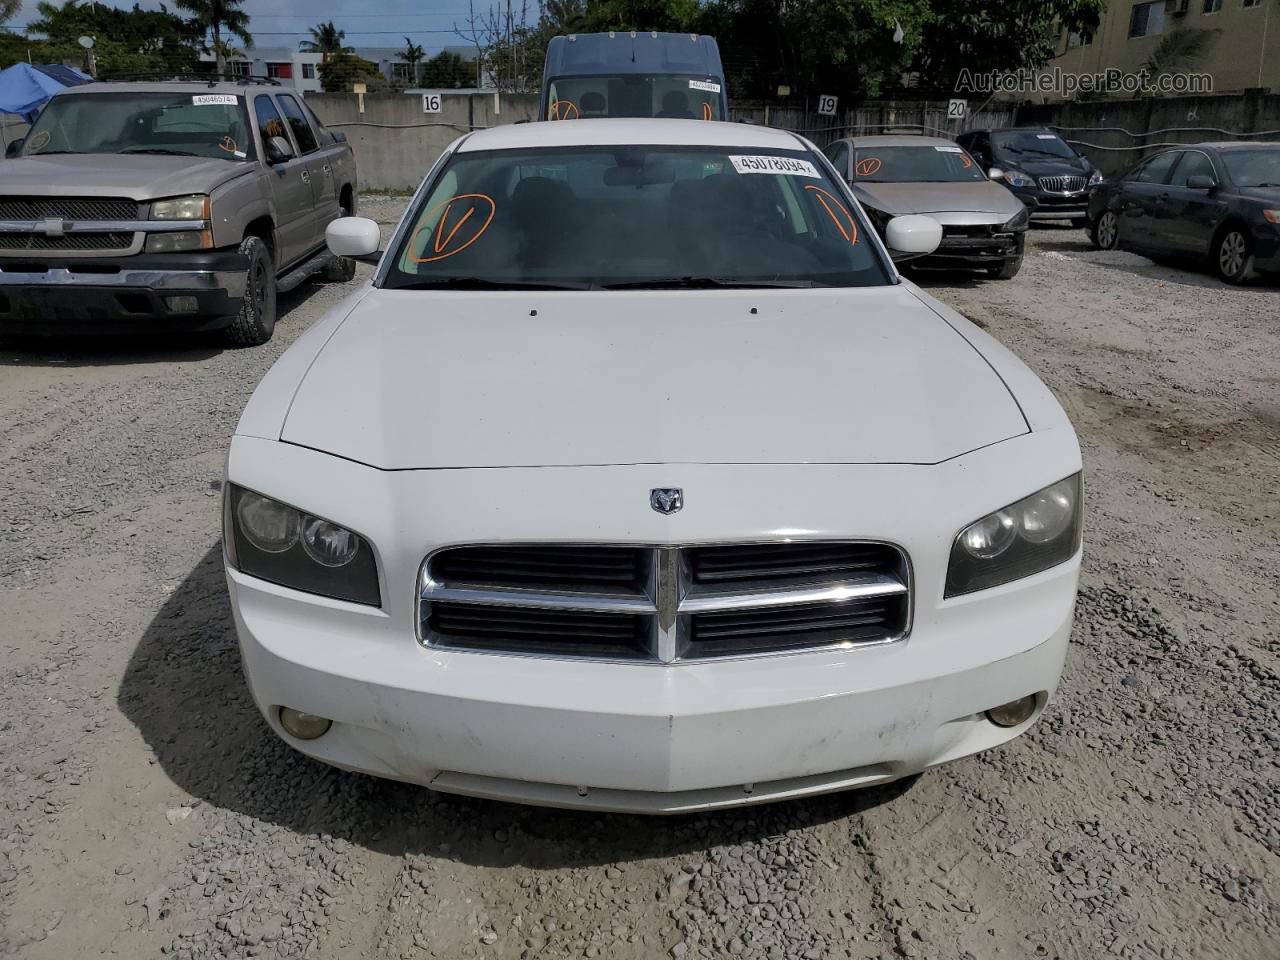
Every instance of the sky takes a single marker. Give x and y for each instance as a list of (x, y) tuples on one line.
[(385, 23)]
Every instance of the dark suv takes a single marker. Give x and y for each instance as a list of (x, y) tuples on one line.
[(1039, 166)]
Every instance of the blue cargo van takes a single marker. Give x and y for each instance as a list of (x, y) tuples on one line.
[(620, 74)]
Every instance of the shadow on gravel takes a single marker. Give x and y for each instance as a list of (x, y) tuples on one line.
[(185, 692), (148, 346)]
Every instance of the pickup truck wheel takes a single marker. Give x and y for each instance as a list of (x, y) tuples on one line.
[(256, 321)]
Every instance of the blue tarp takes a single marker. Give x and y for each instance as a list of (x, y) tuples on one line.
[(24, 88)]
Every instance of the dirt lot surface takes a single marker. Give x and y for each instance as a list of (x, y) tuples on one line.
[(146, 809)]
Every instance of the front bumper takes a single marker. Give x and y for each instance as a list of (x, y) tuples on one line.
[(647, 737), (44, 295), (1046, 205), (975, 250)]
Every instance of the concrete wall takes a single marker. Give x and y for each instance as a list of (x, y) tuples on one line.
[(1116, 133), (395, 143)]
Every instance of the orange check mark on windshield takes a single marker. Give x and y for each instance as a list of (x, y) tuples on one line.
[(440, 244)]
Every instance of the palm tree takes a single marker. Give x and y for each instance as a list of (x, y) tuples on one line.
[(412, 54), (1180, 49), (9, 9), (217, 16), (327, 39)]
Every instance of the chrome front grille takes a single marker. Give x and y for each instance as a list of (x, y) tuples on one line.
[(664, 603), (68, 208), (1070, 184), (69, 241)]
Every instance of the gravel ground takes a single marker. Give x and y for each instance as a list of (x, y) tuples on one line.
[(146, 809)]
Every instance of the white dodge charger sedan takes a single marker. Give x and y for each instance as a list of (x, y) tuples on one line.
[(637, 479)]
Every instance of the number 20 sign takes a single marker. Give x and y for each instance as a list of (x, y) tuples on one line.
[(431, 102)]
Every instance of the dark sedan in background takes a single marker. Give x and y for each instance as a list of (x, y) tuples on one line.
[(1039, 167), (1216, 203)]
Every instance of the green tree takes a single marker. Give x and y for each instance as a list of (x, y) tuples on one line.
[(126, 42), (412, 54), (1181, 49), (325, 38), (219, 17), (9, 9), (448, 70), (340, 70)]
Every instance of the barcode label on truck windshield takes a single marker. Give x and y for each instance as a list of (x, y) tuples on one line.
[(206, 99), (705, 85), (787, 166)]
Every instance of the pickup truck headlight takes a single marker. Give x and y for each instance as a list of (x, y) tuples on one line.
[(274, 541), (1034, 534), (181, 208), (179, 241), (1016, 179)]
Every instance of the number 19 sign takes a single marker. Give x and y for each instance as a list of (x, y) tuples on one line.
[(827, 105), (431, 103)]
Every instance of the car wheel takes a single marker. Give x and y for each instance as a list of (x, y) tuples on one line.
[(1233, 256), (256, 321), (1105, 231)]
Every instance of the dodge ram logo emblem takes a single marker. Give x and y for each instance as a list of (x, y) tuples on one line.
[(666, 499)]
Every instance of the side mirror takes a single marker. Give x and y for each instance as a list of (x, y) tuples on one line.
[(995, 173), (912, 236), (355, 237), (338, 136), (14, 147), (278, 150), (1201, 182)]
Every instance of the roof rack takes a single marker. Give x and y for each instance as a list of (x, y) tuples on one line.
[(212, 79)]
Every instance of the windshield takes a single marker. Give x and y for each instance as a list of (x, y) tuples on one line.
[(183, 124), (1253, 168), (674, 97), (940, 164), (1027, 144), (600, 216)]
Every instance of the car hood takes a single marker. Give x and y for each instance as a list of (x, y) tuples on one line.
[(977, 196), (1046, 167), (417, 379), (139, 176)]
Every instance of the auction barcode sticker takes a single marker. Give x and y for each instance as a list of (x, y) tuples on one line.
[(788, 166), (948, 149), (706, 85), (206, 99)]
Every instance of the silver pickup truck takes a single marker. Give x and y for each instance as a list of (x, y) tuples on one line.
[(178, 205)]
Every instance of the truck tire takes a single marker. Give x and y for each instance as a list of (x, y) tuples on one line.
[(256, 321)]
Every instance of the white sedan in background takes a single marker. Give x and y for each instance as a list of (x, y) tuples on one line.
[(637, 479)]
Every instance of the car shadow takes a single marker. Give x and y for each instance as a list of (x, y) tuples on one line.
[(185, 692), (133, 348)]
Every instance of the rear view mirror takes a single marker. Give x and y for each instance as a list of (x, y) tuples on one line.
[(278, 149), (14, 147), (640, 176), (355, 237), (912, 236), (1201, 182)]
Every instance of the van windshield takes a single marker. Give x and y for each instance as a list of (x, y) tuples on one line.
[(675, 97), (186, 124), (632, 216)]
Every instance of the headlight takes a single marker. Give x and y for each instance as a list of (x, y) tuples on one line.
[(1034, 534), (1016, 179), (1019, 220), (274, 541), (1095, 177), (179, 241), (181, 208)]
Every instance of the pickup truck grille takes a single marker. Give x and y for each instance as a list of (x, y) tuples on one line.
[(68, 208), (664, 603), (70, 241)]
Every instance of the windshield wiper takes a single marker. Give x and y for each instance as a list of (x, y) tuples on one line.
[(482, 283), (703, 283), (163, 150)]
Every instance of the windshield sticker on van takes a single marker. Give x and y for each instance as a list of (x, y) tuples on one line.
[(867, 167), (214, 99), (838, 213), (787, 166), (704, 85), (563, 110), (449, 236)]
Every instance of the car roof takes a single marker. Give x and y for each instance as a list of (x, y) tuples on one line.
[(1236, 144), (901, 140), (620, 131), (194, 87)]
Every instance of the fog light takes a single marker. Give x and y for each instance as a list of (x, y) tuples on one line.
[(182, 304), (304, 726), (1012, 713)]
